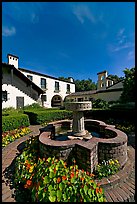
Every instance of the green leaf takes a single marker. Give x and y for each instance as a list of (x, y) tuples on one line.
[(50, 187), (46, 180), (51, 174), (64, 196), (85, 189), (52, 198), (59, 195), (53, 193), (61, 186)]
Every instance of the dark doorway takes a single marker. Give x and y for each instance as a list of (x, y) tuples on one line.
[(19, 102), (56, 101)]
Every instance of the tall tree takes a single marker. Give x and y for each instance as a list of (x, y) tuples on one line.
[(85, 85), (115, 78), (128, 94)]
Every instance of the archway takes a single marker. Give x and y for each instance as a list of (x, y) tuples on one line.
[(56, 101)]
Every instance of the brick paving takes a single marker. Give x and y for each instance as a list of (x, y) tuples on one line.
[(120, 190)]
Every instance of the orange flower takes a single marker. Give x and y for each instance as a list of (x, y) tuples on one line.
[(58, 180), (29, 182), (97, 190), (77, 171), (82, 179), (91, 181), (92, 175), (54, 170), (28, 166), (44, 159), (25, 186), (100, 190), (87, 173), (72, 175), (64, 177), (74, 161), (82, 170)]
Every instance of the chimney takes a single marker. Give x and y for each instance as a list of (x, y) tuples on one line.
[(12, 59), (71, 79)]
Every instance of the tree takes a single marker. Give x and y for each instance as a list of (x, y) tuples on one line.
[(63, 78), (85, 85), (115, 78), (128, 94)]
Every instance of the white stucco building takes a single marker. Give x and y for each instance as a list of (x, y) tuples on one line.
[(22, 87)]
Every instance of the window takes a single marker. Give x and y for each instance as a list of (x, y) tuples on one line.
[(4, 96), (80, 99), (43, 83), (13, 58), (44, 97), (68, 88), (30, 77), (56, 86)]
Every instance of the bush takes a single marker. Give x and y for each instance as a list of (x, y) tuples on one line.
[(99, 103), (123, 106), (33, 106), (39, 117), (51, 180), (107, 168), (12, 122)]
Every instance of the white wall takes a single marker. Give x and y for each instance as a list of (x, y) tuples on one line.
[(12, 94), (51, 87)]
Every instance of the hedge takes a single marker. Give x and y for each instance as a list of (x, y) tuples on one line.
[(39, 117), (121, 114), (12, 122)]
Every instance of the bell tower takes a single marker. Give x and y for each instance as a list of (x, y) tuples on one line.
[(12, 59), (102, 80)]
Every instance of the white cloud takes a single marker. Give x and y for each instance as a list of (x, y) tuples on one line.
[(82, 12), (124, 46), (34, 18), (120, 32), (131, 55), (8, 31)]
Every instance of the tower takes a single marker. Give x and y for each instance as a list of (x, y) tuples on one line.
[(12, 59), (102, 80)]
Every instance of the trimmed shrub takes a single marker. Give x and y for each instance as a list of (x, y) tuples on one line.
[(99, 103), (123, 106), (39, 117), (12, 122)]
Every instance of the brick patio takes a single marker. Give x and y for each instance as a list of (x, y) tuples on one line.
[(119, 188)]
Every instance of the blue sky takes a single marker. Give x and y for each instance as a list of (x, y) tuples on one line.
[(77, 39)]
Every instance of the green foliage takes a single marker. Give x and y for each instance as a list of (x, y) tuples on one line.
[(51, 180), (9, 111), (12, 122), (128, 94), (11, 136), (64, 79), (85, 85), (107, 168), (34, 106), (39, 117), (115, 78), (123, 106), (99, 103)]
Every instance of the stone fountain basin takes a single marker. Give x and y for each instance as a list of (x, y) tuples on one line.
[(78, 106), (87, 153)]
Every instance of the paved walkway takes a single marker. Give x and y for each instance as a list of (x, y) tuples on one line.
[(123, 191)]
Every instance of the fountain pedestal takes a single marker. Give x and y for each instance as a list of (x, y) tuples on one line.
[(78, 126)]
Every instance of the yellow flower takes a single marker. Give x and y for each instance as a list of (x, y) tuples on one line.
[(116, 161), (31, 169)]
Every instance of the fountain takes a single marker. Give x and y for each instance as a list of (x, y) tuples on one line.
[(88, 150), (78, 126)]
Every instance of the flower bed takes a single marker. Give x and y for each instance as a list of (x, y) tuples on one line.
[(52, 180), (10, 136)]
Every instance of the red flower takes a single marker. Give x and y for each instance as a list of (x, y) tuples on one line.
[(87, 173), (100, 190), (72, 175), (29, 182), (97, 190), (82, 171), (58, 180), (82, 179), (28, 166), (64, 177)]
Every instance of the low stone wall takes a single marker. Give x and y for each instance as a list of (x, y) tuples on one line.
[(87, 153)]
